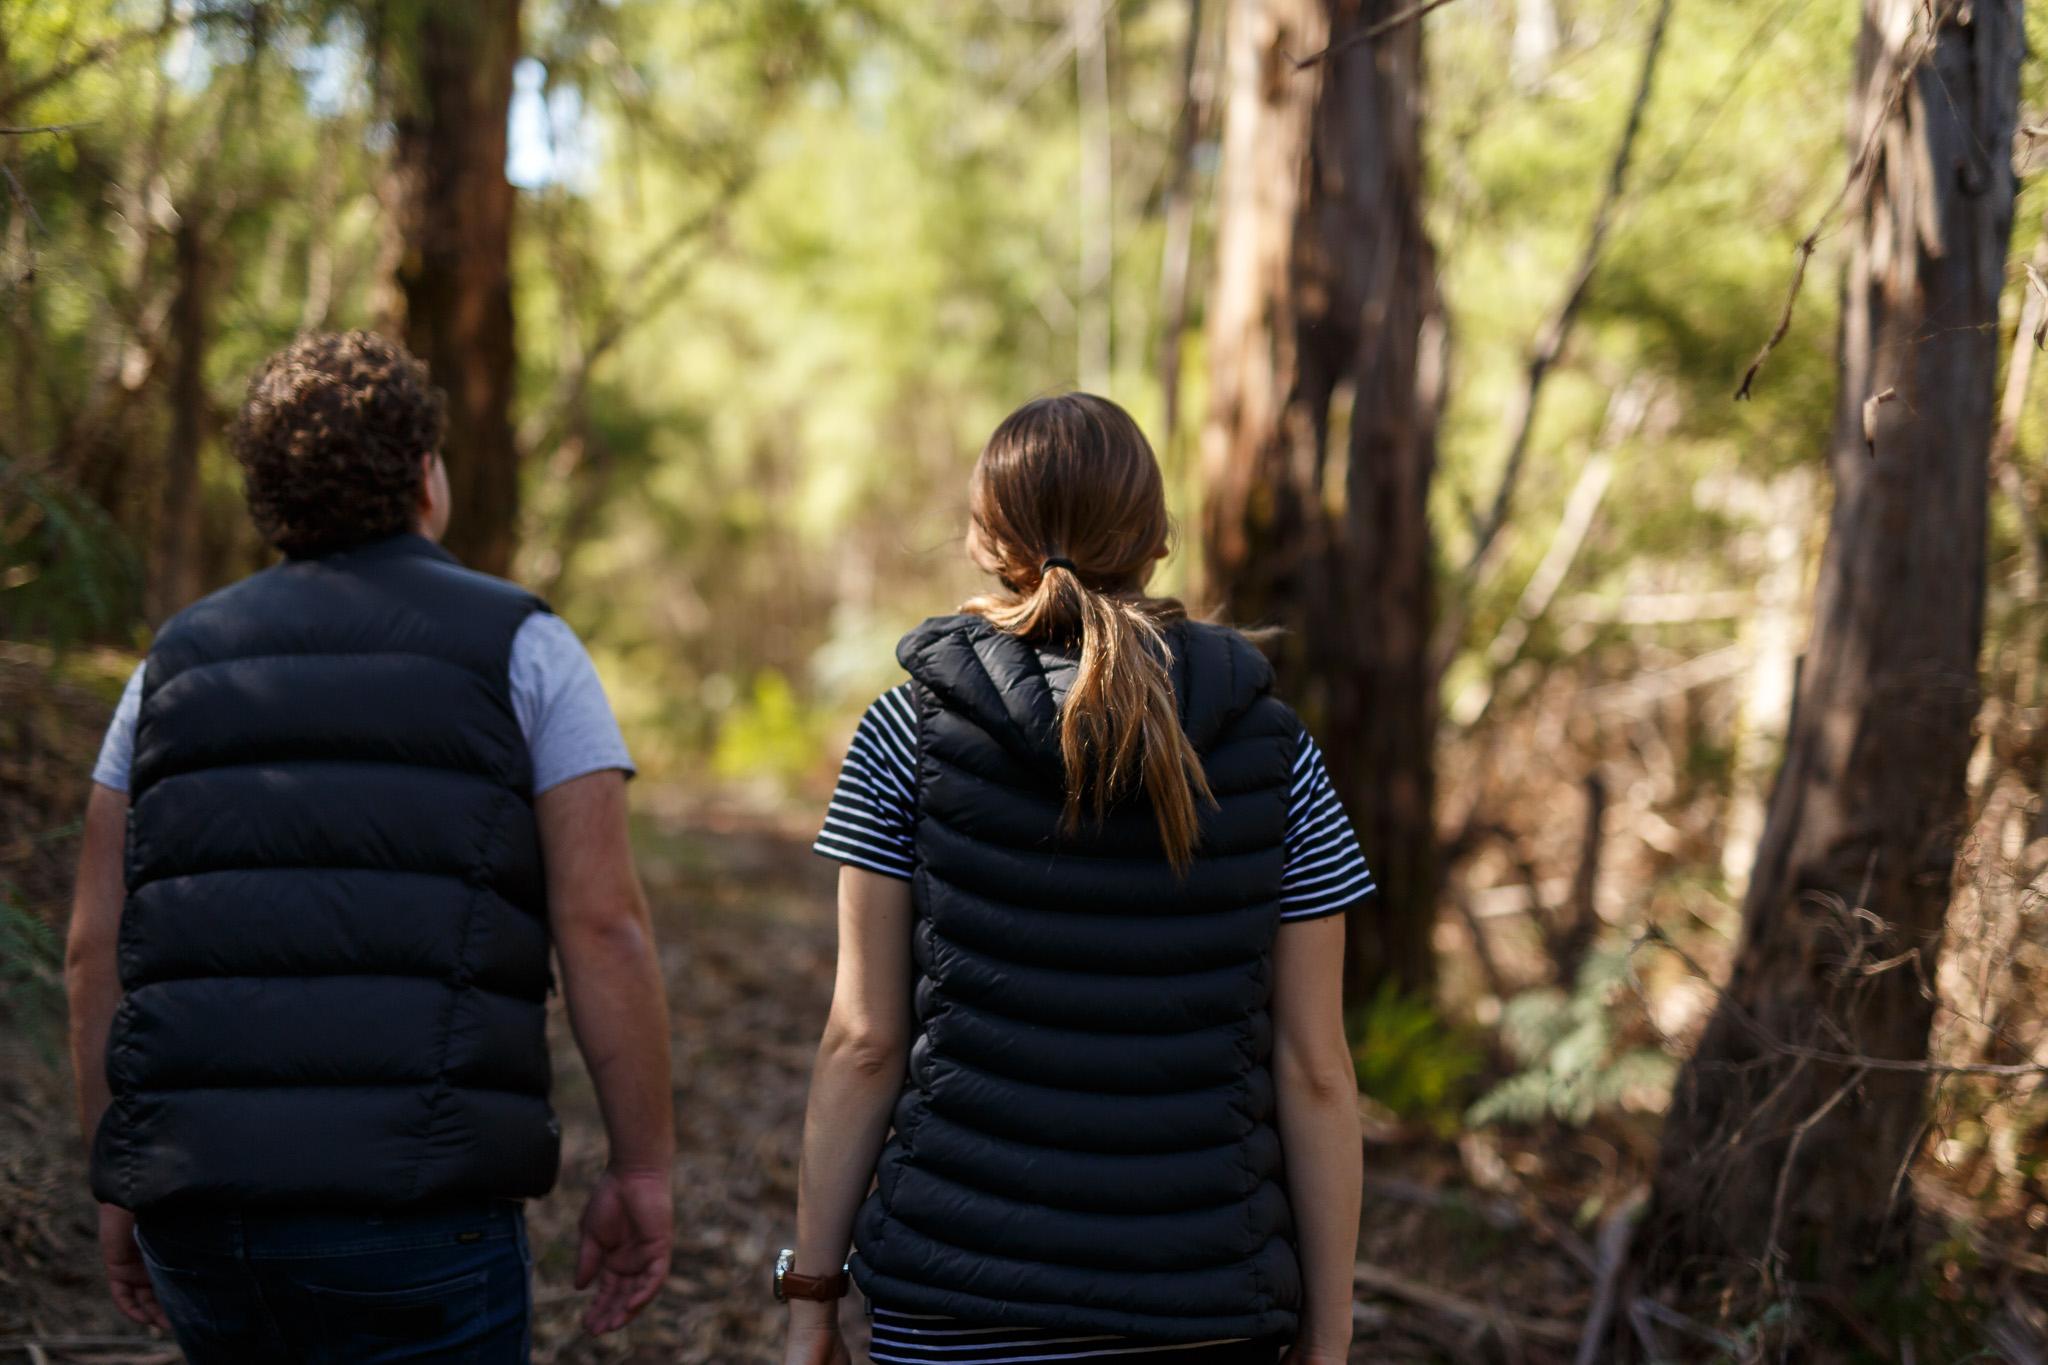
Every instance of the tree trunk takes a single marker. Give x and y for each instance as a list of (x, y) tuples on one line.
[(1797, 1162), (1095, 298), (1324, 283), (451, 73), (175, 581)]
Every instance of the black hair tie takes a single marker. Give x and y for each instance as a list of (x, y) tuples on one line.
[(1058, 562)]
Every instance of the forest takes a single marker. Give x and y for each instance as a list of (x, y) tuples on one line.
[(1624, 408)]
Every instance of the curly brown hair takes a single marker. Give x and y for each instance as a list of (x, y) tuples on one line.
[(331, 439)]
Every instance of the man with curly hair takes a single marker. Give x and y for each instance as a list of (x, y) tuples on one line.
[(344, 810)]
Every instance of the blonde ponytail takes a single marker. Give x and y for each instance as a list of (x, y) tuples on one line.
[(1068, 491)]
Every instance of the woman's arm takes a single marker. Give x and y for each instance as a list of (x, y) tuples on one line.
[(854, 1085), (1317, 1088)]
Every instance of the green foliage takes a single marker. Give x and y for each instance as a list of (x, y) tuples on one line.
[(31, 963), (768, 734), (1576, 1060), (1410, 1060), (66, 571)]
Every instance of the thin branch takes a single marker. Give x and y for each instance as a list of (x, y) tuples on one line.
[(1551, 339), (103, 50), (1385, 1281), (1773, 1253), (1617, 1230), (1751, 1025), (1857, 181), (1176, 258), (34, 128), (1371, 32)]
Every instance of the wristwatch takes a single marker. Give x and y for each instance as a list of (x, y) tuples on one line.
[(817, 1288)]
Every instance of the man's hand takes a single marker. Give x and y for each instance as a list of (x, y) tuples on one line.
[(628, 1228), (127, 1276)]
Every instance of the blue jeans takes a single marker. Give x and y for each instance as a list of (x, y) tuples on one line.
[(448, 1285)]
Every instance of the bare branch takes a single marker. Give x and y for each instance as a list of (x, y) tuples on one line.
[(1551, 339), (1856, 181), (94, 53), (1371, 32), (1756, 1030), (32, 129), (1381, 1280), (1773, 1253)]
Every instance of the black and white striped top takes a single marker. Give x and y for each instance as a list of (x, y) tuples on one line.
[(917, 1339), (872, 823)]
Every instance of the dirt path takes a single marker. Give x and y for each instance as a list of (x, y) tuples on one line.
[(744, 915)]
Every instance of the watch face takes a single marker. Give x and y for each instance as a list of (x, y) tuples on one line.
[(783, 1261)]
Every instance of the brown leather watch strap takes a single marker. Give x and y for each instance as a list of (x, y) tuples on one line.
[(817, 1288)]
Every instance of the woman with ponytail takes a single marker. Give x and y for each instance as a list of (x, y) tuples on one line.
[(1084, 1093)]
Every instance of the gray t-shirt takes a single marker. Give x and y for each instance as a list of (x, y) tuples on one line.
[(568, 724)]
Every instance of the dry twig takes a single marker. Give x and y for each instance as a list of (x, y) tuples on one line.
[(1371, 32), (1551, 339), (1856, 181), (1385, 1281)]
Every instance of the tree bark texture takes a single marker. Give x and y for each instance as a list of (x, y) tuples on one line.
[(1797, 1163), (175, 580), (1320, 443), (450, 75)]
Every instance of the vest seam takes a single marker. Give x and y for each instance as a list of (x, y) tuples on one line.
[(325, 975), (1072, 1089), (1062, 1303), (1035, 792), (987, 898), (1230, 1094), (458, 986), (275, 654), (495, 781), (1221, 1205), (412, 1083), (941, 940), (460, 877), (1078, 855)]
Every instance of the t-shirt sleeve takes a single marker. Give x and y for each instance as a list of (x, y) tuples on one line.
[(117, 750), (1325, 871), (872, 819), (568, 723)]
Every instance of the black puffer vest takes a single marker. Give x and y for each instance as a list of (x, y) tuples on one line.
[(1086, 1136), (335, 947)]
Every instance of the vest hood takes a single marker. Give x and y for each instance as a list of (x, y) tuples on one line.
[(1013, 689)]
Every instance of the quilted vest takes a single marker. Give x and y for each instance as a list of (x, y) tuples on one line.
[(1085, 1139), (335, 945)]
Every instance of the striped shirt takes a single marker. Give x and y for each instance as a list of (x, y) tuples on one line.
[(918, 1339), (872, 823)]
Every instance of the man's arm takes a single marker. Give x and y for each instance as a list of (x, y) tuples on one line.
[(619, 1014), (91, 978), (92, 982)]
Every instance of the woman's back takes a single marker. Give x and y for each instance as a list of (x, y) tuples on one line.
[(1065, 1029), (1085, 1140)]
